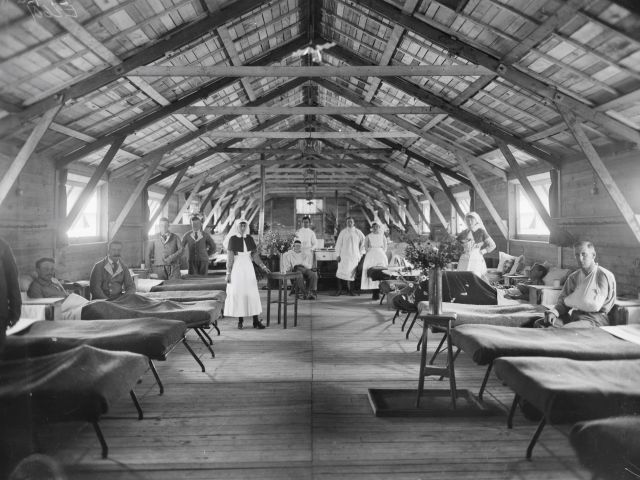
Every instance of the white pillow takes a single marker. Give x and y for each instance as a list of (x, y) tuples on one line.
[(556, 273), (502, 257), (518, 264)]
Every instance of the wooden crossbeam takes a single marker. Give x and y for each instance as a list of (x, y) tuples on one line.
[(526, 185), (320, 110), (485, 199), (447, 191), (601, 170), (312, 71), (294, 151), (225, 209), (507, 71), (418, 206), (91, 185), (171, 41), (167, 197), (10, 176), (283, 134), (133, 197), (216, 206)]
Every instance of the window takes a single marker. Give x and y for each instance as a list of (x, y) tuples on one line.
[(529, 225), (426, 211), (309, 207), (88, 224), (457, 221), (153, 201)]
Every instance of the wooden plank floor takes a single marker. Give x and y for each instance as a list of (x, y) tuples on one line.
[(292, 404)]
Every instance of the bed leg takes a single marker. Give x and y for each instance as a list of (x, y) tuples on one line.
[(215, 325), (193, 354), (512, 411), (435, 354), (382, 298), (206, 335), (133, 396), (415, 317), (157, 377), (535, 437), (405, 321), (103, 443), (204, 340), (484, 381), (395, 315)]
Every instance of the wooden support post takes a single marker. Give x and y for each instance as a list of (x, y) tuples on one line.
[(11, 175), (263, 194), (91, 185), (601, 170), (166, 198), (526, 184), (189, 200), (448, 192), (418, 206), (337, 229), (485, 198), (433, 205), (134, 197)]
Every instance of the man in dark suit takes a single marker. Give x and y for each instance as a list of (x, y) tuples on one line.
[(110, 278), (199, 246), (165, 250)]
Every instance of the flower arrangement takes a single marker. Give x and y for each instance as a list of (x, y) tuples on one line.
[(430, 254), (275, 243)]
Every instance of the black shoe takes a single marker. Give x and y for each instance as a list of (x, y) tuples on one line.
[(258, 324), (338, 293), (240, 325), (311, 296)]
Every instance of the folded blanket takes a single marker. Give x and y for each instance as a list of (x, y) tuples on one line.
[(520, 315)]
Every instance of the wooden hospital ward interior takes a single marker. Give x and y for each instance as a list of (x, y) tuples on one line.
[(320, 239)]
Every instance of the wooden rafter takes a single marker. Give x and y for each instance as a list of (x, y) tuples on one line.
[(172, 41), (601, 170), (307, 110), (188, 201), (433, 204), (504, 69), (449, 194)]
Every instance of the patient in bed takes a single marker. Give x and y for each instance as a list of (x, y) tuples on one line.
[(587, 296), (46, 285), (521, 290)]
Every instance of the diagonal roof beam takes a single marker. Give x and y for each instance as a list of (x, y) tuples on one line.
[(469, 118), (506, 70), (195, 95), (172, 41)]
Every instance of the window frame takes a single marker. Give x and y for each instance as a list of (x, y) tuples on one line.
[(516, 194), (100, 193)]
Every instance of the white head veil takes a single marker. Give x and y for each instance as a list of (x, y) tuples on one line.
[(376, 219), (235, 230), (476, 217)]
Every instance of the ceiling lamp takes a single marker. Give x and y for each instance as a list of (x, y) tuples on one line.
[(310, 145), (310, 180)]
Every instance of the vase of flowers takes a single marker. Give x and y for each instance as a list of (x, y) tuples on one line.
[(274, 245), (432, 257)]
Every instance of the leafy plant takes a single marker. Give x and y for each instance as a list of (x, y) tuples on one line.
[(430, 254), (274, 242)]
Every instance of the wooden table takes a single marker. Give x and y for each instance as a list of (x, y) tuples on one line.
[(444, 322), (53, 306), (283, 297)]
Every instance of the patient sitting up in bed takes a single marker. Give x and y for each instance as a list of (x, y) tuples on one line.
[(46, 285), (110, 278), (521, 290), (587, 296)]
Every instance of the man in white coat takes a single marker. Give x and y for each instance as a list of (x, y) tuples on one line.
[(349, 250), (307, 236)]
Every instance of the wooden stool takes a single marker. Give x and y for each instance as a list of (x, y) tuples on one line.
[(445, 322), (283, 298)]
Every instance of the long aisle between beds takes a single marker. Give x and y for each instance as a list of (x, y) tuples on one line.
[(278, 404)]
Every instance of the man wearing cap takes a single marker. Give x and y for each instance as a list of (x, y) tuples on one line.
[(165, 250), (307, 236), (199, 246), (296, 260)]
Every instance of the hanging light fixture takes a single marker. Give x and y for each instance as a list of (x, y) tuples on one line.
[(310, 180)]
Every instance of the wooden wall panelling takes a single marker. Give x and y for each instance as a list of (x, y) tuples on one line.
[(11, 174)]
